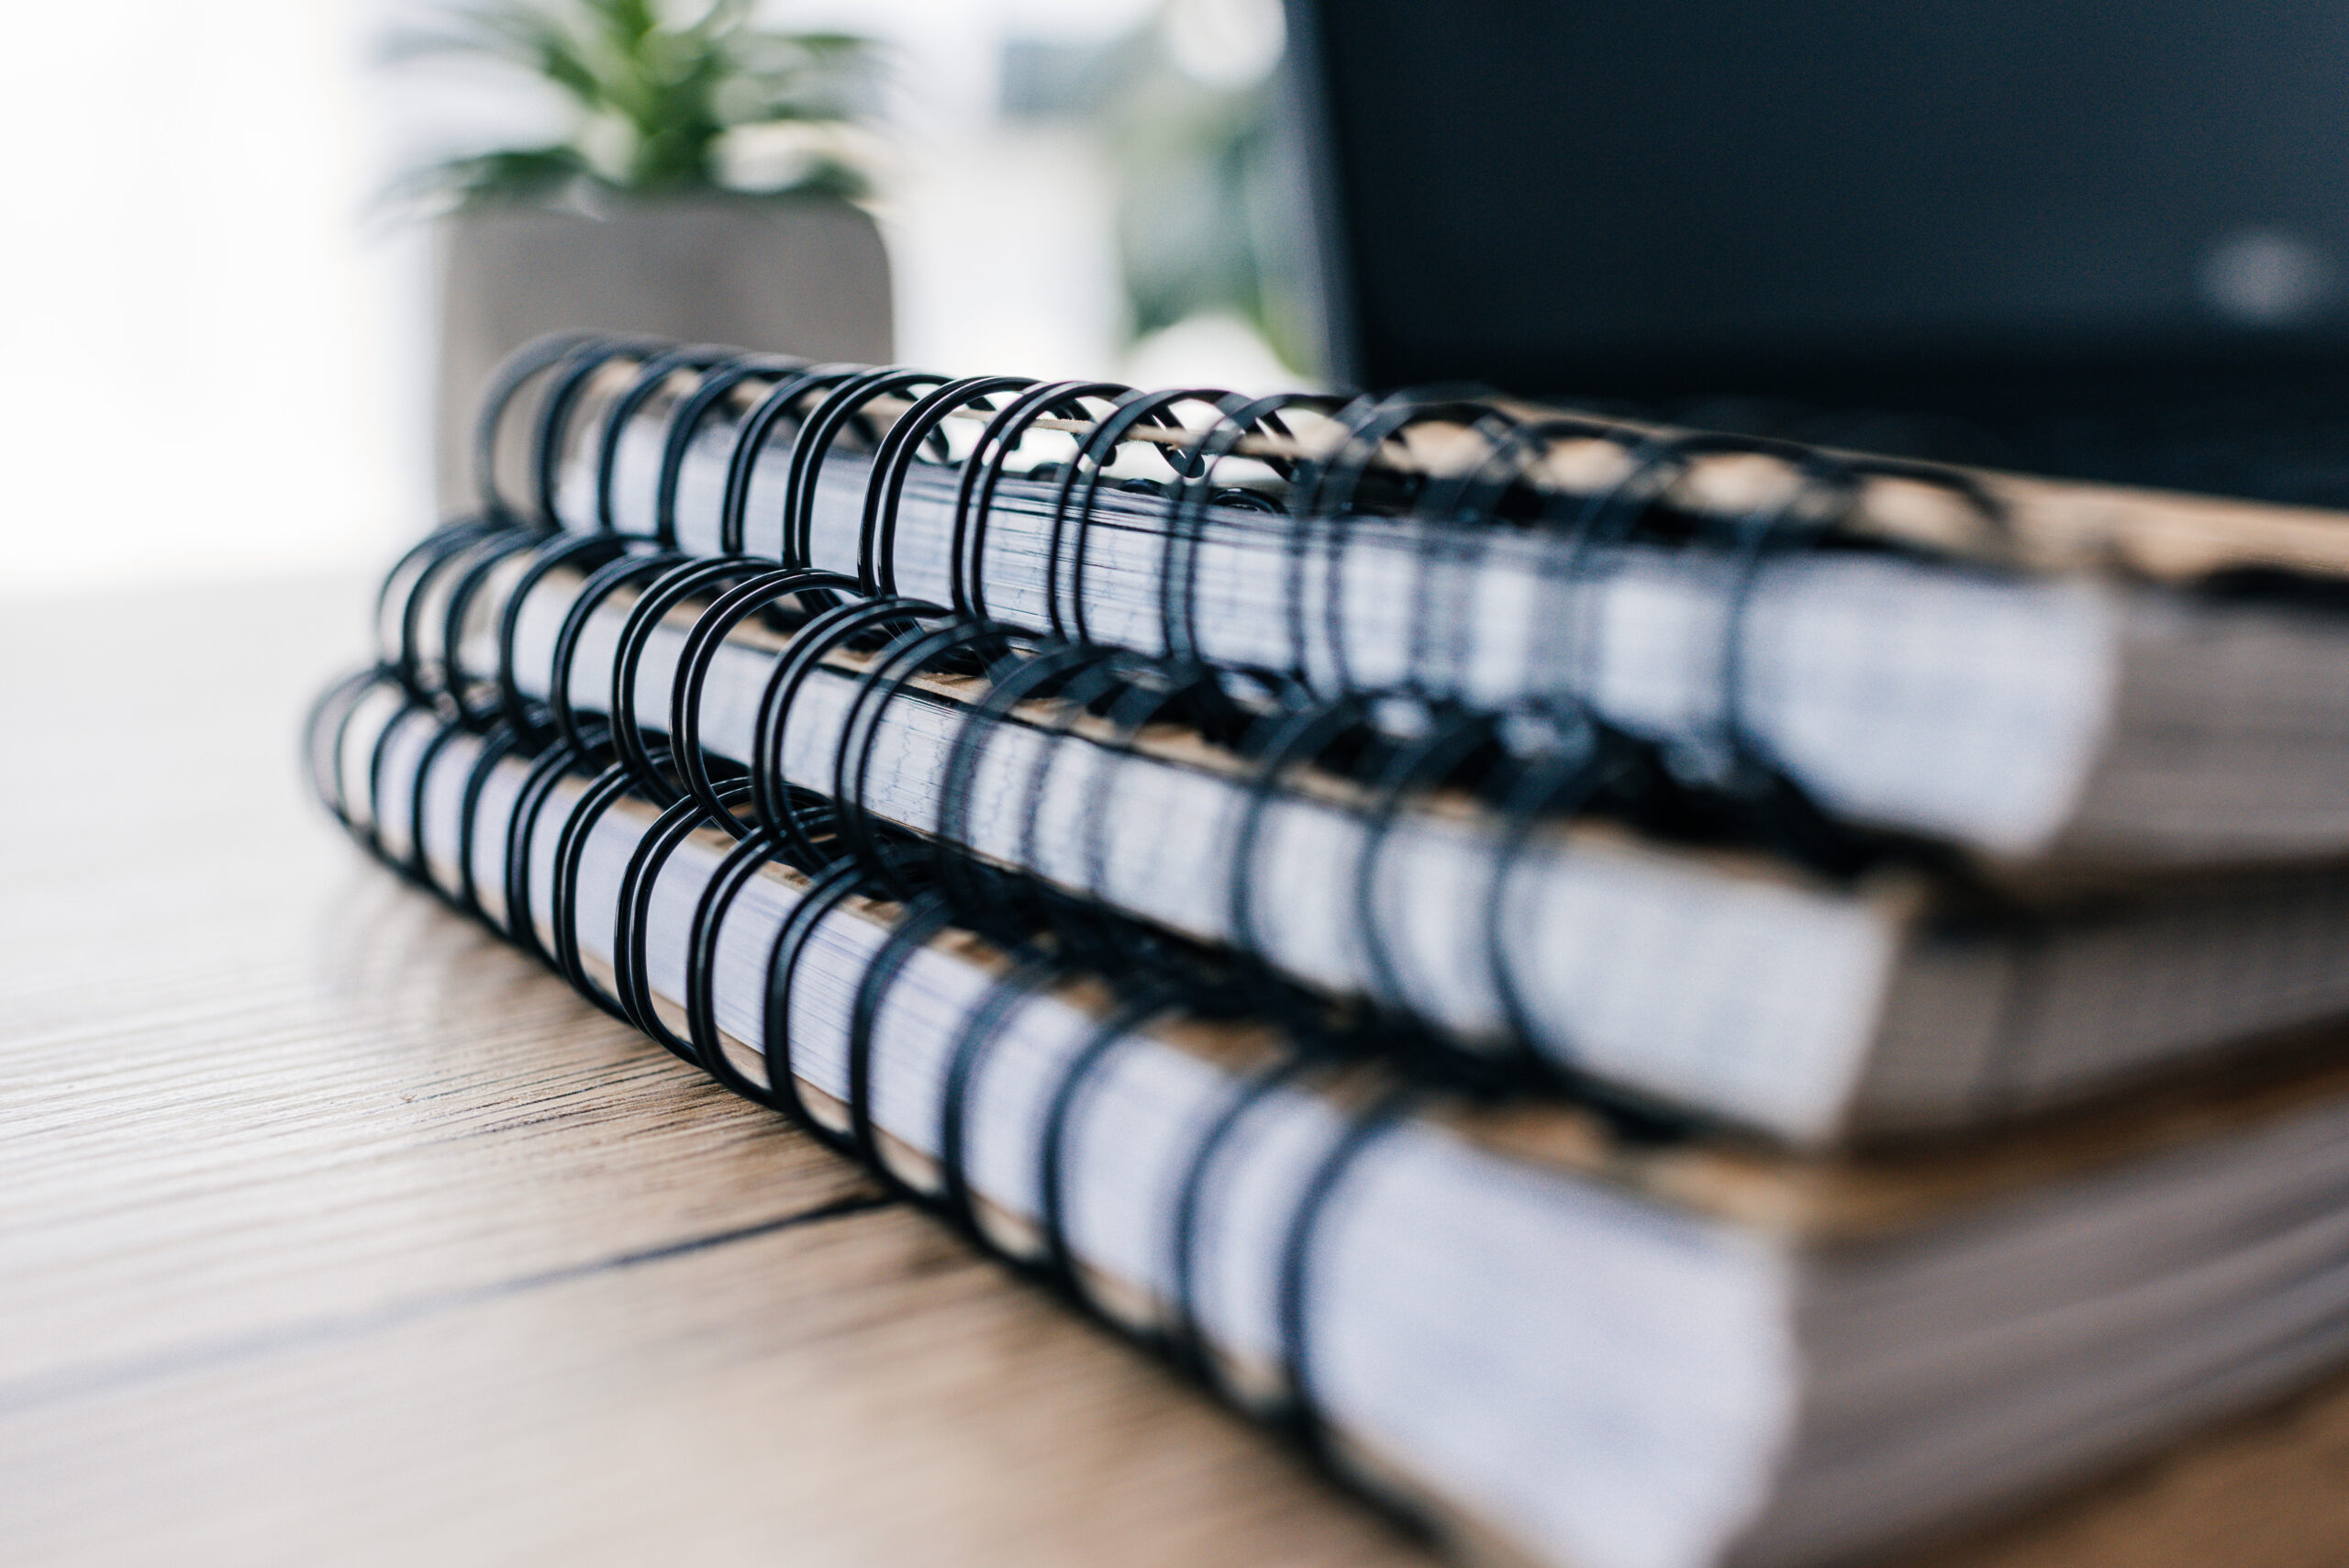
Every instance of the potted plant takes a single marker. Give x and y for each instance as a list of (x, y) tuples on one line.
[(704, 191)]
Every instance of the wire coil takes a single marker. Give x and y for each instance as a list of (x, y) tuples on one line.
[(1011, 682)]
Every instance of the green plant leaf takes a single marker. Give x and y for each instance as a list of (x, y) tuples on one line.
[(527, 175), (677, 76)]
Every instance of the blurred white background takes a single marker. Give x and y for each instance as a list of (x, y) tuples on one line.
[(221, 340)]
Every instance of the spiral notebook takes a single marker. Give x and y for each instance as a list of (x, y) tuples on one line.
[(1689, 974), (1330, 976), (1845, 988), (1543, 1334), (2031, 670)]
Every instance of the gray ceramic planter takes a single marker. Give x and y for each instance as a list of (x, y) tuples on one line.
[(800, 277)]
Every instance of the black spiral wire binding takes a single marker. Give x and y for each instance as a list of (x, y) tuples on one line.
[(912, 654), (847, 392), (1184, 1339), (787, 402), (631, 965), (1123, 694), (1035, 676), (1302, 733), (518, 370), (639, 561), (1407, 770), (1533, 765), (684, 582), (1077, 931), (326, 731), (1453, 514), (551, 765), (1554, 755), (563, 743), (1048, 931), (688, 415), (1308, 524), (1416, 770), (1150, 692), (567, 742), (1345, 735), (572, 740), (921, 428), (1572, 758), (830, 630), (1736, 778), (1543, 758), (1155, 997), (1237, 419), (456, 693), (874, 865), (1128, 692), (751, 437), (327, 742), (444, 735), (570, 743), (1396, 1088), (1148, 981), (1324, 517), (604, 791), (846, 407), (893, 867), (1540, 761), (750, 857), (478, 702), (983, 471), (400, 635), (785, 823), (379, 753), (566, 386), (1073, 504), (826, 893), (497, 744), (580, 743), (1614, 513), (920, 920), (1032, 968), (442, 678), (693, 800), (1569, 760), (1457, 509), (1013, 911), (1454, 739), (755, 595), (1124, 704), (534, 717), (1304, 1416), (652, 376)]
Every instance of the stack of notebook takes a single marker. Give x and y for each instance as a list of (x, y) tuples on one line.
[(1655, 998)]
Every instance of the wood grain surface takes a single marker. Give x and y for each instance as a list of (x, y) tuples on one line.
[(333, 1231)]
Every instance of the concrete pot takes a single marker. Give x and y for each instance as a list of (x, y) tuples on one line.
[(799, 277)]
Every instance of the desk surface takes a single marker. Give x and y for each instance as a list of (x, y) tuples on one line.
[(332, 1229)]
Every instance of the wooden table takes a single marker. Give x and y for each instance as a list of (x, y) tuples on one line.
[(331, 1229)]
